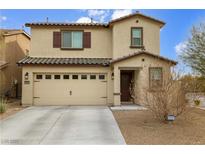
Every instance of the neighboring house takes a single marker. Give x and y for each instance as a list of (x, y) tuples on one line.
[(93, 63), (14, 44)]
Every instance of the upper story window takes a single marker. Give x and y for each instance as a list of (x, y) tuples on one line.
[(155, 76), (72, 39), (136, 37)]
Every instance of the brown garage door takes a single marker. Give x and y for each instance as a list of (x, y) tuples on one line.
[(70, 89)]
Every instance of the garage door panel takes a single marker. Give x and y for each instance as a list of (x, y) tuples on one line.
[(71, 91)]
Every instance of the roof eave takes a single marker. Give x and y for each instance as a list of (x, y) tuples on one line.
[(67, 25), (162, 23), (143, 52)]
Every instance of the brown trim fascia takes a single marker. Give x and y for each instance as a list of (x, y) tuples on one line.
[(72, 48), (78, 65), (66, 26), (137, 47)]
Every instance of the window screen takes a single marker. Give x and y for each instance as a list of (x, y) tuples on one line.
[(136, 37), (72, 39)]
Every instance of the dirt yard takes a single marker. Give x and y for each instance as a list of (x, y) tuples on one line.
[(140, 127), (12, 107)]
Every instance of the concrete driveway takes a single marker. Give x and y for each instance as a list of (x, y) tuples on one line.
[(61, 125)]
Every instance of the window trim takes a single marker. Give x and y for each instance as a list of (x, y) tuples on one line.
[(138, 46), (150, 87), (65, 48)]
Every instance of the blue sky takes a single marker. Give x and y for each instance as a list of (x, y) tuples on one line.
[(174, 33)]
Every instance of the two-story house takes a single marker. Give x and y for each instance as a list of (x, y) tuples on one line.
[(93, 63), (14, 45)]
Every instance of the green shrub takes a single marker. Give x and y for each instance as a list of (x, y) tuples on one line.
[(197, 102), (2, 105)]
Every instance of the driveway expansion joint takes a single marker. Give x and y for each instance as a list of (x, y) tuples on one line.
[(52, 126)]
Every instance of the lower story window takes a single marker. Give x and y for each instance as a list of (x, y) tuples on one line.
[(39, 76), (65, 76), (101, 77), (75, 76), (83, 76), (92, 77), (47, 76), (155, 75), (57, 76)]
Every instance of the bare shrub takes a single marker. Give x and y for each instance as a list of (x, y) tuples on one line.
[(169, 99)]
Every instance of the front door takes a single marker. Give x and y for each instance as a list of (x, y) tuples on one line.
[(126, 77)]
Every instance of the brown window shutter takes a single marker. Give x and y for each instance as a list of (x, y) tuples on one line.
[(87, 39), (56, 39)]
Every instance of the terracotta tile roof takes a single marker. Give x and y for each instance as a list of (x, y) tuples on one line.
[(140, 53), (65, 24), (93, 24), (65, 61), (9, 32)]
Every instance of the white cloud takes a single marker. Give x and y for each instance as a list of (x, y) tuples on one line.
[(3, 18), (92, 13), (180, 47), (119, 13), (99, 15), (85, 20)]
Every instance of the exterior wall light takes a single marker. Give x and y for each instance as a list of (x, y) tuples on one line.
[(112, 76), (26, 76)]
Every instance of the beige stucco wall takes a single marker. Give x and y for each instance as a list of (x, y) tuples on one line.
[(42, 43), (141, 75), (113, 86), (113, 41), (14, 48), (27, 93), (121, 36)]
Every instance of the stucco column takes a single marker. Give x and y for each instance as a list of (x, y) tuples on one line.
[(27, 89), (116, 86)]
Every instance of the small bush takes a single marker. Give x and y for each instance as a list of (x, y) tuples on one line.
[(197, 102), (2, 105), (170, 99)]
